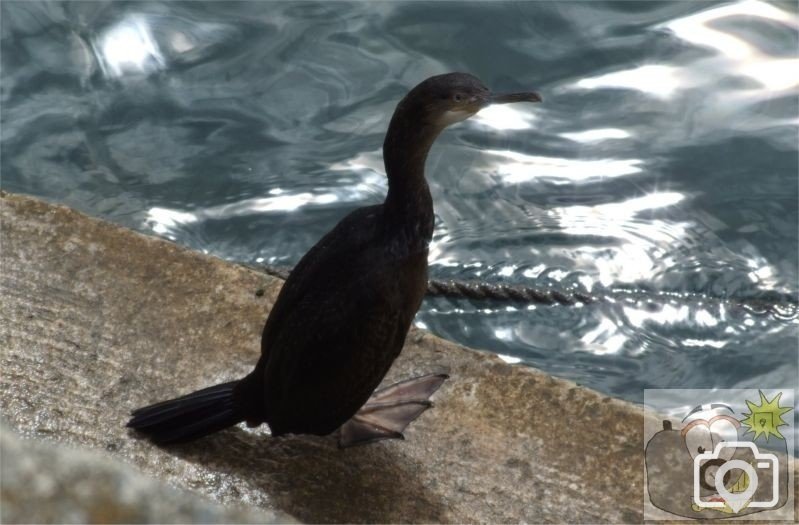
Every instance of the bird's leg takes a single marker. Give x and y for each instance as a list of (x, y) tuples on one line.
[(390, 410)]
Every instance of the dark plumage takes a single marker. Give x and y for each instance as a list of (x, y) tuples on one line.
[(342, 315)]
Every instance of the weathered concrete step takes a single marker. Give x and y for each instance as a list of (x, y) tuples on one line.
[(96, 320), (54, 483)]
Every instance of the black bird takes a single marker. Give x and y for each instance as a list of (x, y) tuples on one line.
[(342, 315)]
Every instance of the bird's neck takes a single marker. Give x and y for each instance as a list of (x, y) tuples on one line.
[(404, 152)]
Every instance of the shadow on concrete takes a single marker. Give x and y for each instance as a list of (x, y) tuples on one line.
[(312, 479)]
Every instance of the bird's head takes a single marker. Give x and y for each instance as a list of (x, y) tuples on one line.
[(443, 100)]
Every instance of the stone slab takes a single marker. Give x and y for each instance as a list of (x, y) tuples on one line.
[(96, 320)]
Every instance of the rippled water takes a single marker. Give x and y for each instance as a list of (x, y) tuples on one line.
[(660, 173)]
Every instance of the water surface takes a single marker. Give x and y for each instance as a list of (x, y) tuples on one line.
[(660, 173)]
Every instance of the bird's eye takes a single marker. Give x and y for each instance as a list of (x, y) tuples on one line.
[(457, 97)]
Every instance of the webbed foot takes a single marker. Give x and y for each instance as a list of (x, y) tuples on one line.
[(390, 410)]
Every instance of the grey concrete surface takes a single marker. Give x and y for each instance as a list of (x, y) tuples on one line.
[(53, 483), (96, 320)]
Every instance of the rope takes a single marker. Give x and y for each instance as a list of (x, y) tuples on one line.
[(505, 292), (781, 305)]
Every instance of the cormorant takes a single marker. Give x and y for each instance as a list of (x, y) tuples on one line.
[(342, 315)]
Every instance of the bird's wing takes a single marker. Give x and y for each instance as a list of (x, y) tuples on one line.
[(332, 350), (325, 264)]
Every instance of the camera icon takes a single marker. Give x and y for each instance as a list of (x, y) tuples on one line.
[(763, 462)]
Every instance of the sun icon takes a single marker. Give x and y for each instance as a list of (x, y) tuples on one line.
[(765, 418)]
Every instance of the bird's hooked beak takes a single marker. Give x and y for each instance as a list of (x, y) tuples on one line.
[(483, 101), (508, 98)]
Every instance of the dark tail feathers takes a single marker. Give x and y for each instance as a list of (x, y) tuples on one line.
[(189, 417)]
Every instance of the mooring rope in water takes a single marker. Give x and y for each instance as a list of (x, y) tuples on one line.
[(780, 305), (458, 289)]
